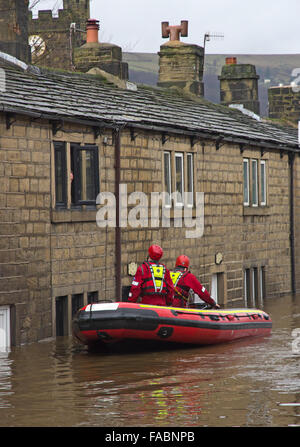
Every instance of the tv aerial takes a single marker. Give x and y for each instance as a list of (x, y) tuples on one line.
[(208, 36)]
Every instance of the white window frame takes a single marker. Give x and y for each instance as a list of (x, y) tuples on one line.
[(167, 155), (263, 184), (262, 282), (245, 287), (179, 155), (190, 178), (254, 182), (247, 201), (5, 336)]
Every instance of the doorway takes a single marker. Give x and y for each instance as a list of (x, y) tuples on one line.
[(218, 288), (61, 312), (4, 327)]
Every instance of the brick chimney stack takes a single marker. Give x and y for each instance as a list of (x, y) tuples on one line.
[(180, 64), (93, 54), (239, 85)]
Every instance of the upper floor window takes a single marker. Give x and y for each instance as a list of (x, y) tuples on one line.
[(263, 186), (179, 178), (190, 179), (167, 177), (85, 174), (76, 174), (60, 174), (254, 182), (246, 182)]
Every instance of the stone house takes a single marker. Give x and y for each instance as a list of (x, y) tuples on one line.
[(67, 137)]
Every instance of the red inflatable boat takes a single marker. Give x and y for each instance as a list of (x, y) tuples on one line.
[(110, 323)]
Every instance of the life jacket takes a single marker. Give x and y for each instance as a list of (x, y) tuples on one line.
[(154, 282), (181, 292)]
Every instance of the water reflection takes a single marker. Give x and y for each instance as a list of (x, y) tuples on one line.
[(5, 382), (254, 382)]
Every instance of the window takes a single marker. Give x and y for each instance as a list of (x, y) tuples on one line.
[(254, 286), (167, 177), (61, 312), (76, 170), (247, 288), (85, 170), (77, 302), (190, 180), (262, 283), (92, 297), (66, 308), (246, 182), (254, 182), (263, 193), (178, 178), (60, 174)]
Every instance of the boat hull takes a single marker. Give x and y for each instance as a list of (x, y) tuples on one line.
[(110, 323)]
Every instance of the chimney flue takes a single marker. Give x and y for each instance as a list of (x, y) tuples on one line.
[(92, 29), (230, 61), (180, 64), (94, 54), (239, 85), (174, 31)]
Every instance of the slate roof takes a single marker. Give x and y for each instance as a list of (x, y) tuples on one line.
[(77, 97)]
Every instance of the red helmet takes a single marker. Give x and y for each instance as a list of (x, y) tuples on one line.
[(182, 261), (155, 252)]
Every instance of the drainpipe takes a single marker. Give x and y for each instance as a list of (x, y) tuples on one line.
[(292, 228), (117, 139)]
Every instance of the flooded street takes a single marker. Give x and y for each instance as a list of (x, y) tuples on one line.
[(248, 383)]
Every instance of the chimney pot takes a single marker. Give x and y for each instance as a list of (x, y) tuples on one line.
[(174, 31), (230, 60), (92, 29)]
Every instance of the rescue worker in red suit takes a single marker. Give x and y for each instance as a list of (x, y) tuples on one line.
[(152, 281), (184, 280)]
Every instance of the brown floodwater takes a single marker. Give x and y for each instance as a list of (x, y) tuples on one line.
[(249, 383)]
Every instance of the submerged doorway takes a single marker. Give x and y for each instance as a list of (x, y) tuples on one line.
[(218, 288), (4, 327), (61, 312)]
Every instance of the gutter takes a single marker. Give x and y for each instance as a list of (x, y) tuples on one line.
[(177, 131), (118, 250), (292, 228), (218, 136)]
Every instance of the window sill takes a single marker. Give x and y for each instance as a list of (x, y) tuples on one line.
[(82, 215), (256, 211)]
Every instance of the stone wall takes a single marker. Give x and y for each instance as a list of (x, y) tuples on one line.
[(107, 57), (25, 227), (55, 32), (83, 255), (247, 237), (181, 65), (284, 104), (14, 29), (296, 171), (239, 85), (46, 253)]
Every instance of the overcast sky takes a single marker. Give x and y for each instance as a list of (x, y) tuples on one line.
[(248, 26)]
